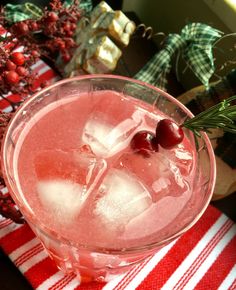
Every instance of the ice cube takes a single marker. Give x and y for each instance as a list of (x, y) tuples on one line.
[(124, 197), (105, 138), (67, 178), (157, 217), (184, 159), (78, 165), (158, 173), (62, 197), (95, 134)]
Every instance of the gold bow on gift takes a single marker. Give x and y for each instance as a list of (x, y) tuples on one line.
[(98, 38)]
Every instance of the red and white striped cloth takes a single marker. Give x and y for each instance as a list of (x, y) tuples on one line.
[(203, 258)]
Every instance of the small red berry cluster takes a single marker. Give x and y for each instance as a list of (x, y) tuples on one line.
[(7, 206), (47, 37), (52, 34), (14, 68), (168, 135), (16, 75)]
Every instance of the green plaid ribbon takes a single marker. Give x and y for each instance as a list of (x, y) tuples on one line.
[(20, 12), (85, 5), (194, 44)]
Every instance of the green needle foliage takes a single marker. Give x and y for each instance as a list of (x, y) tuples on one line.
[(221, 115)]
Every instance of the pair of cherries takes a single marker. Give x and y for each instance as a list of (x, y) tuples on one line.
[(168, 135)]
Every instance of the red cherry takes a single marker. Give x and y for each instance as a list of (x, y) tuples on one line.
[(12, 77), (52, 17), (18, 58), (10, 65), (168, 133), (22, 71), (144, 142)]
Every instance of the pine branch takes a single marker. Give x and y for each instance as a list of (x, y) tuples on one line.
[(221, 115)]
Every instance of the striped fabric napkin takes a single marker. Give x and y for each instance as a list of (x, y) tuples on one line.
[(203, 258)]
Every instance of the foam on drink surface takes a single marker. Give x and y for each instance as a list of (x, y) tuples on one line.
[(82, 180)]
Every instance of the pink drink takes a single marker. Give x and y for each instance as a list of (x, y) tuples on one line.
[(80, 181)]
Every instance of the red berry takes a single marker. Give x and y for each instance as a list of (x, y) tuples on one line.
[(143, 142), (10, 65), (69, 33), (35, 53), (168, 133), (73, 20), (67, 26), (61, 45), (69, 42), (34, 26), (52, 17), (18, 58), (73, 26), (12, 77), (66, 57), (21, 28), (22, 71)]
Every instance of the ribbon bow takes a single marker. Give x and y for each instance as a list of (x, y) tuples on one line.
[(21, 12), (194, 44)]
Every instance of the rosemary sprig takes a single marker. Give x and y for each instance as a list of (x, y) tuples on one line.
[(221, 115)]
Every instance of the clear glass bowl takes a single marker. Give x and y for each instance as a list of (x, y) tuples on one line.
[(92, 262)]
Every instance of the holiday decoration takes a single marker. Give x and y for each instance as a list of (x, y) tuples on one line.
[(47, 32), (32, 33), (21, 12), (98, 39), (16, 75), (194, 43)]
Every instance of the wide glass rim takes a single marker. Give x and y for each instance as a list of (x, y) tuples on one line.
[(110, 250)]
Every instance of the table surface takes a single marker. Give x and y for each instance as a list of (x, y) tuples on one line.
[(134, 57)]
